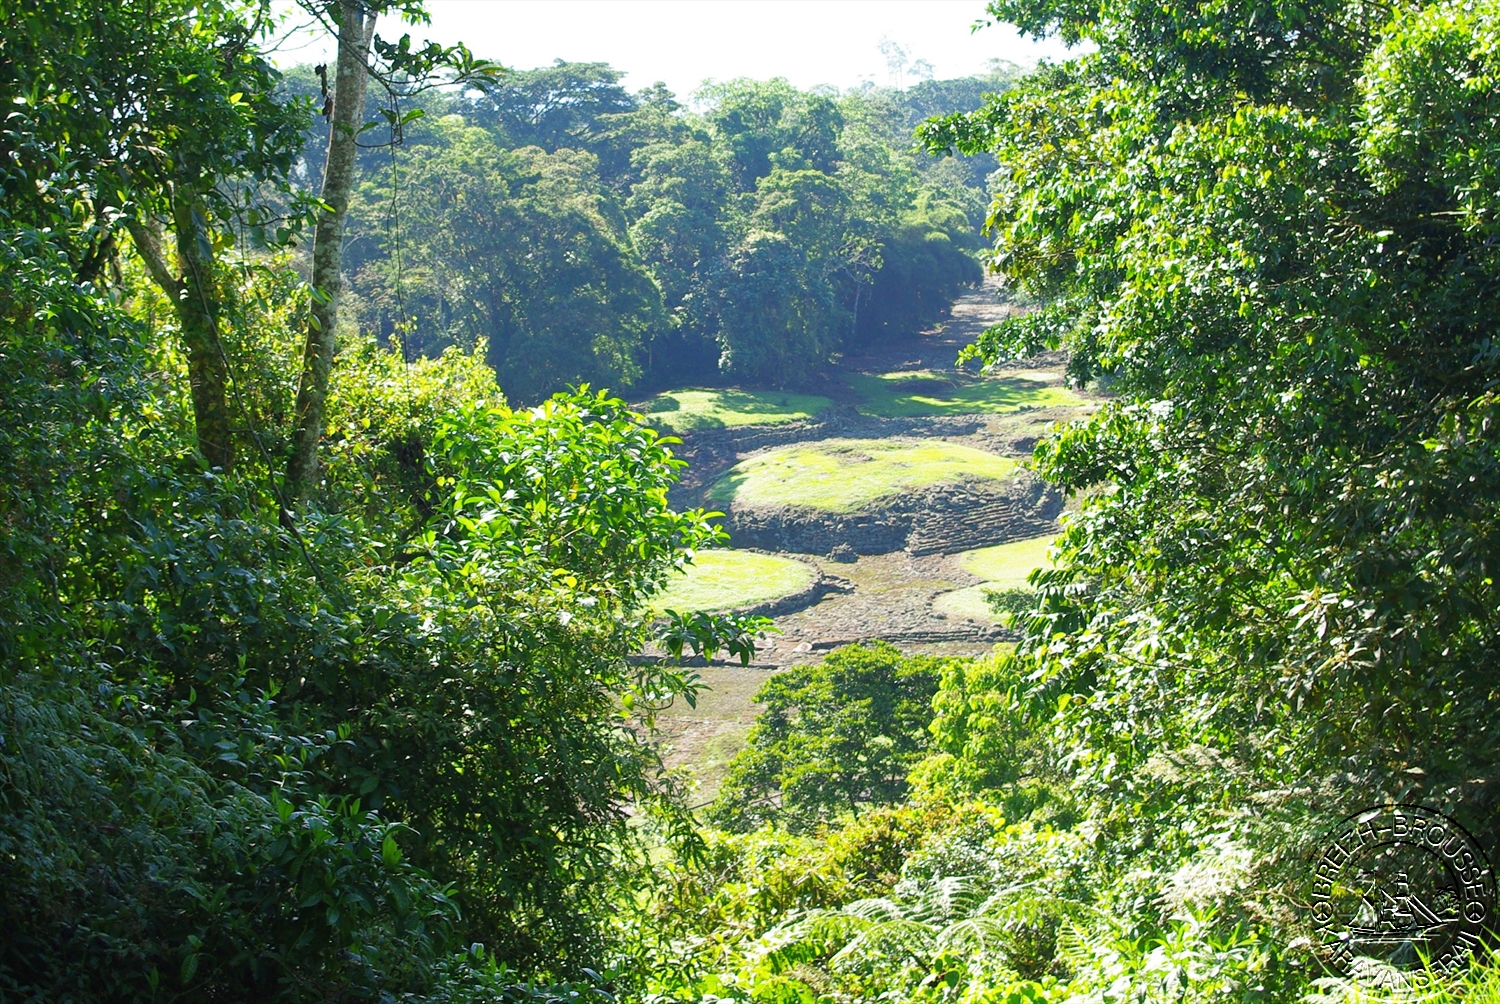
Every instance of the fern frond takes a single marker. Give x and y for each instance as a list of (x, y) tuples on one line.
[(816, 934), (1025, 904), (973, 935), (879, 944), (875, 909), (947, 898), (1076, 948)]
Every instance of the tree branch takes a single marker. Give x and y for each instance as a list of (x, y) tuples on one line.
[(148, 242)]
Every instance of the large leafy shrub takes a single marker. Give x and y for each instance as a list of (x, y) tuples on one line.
[(1265, 235), (301, 751)]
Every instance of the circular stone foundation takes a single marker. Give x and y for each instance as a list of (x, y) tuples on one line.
[(721, 580), (874, 496)]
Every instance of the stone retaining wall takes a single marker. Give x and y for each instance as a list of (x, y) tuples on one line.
[(944, 519), (819, 588)]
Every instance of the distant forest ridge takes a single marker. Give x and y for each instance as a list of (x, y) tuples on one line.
[(583, 233)]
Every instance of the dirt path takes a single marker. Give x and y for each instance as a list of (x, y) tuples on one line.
[(937, 348), (891, 601)]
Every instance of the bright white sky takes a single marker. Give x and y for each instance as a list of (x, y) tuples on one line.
[(684, 42)]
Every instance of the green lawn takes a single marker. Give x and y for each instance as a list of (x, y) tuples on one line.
[(843, 475), (923, 392), (1004, 566), (725, 580), (966, 602), (683, 410)]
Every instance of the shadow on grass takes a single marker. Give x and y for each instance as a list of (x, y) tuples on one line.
[(915, 395), (705, 408)]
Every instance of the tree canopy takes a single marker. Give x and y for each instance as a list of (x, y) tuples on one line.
[(1269, 237), (257, 747), (834, 738), (750, 242)]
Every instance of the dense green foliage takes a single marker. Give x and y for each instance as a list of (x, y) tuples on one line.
[(517, 248), (586, 234), (262, 751), (1285, 276), (393, 740), (833, 738), (206, 701)]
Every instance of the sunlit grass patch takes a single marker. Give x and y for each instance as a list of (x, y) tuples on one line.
[(683, 410), (924, 392), (705, 748), (1004, 566), (704, 736), (726, 580), (843, 475), (966, 602)]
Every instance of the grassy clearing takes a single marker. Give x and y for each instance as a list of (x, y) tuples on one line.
[(843, 475), (683, 410), (1004, 566), (725, 580), (968, 602), (923, 392)]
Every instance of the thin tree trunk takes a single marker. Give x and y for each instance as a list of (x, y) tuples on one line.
[(197, 305), (194, 300), (356, 30)]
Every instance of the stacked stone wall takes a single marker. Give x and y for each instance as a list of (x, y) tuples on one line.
[(944, 519)]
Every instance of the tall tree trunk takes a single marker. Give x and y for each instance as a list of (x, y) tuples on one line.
[(195, 302), (356, 30), (197, 310)]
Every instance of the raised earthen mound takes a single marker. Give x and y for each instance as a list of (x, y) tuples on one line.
[(942, 520)]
